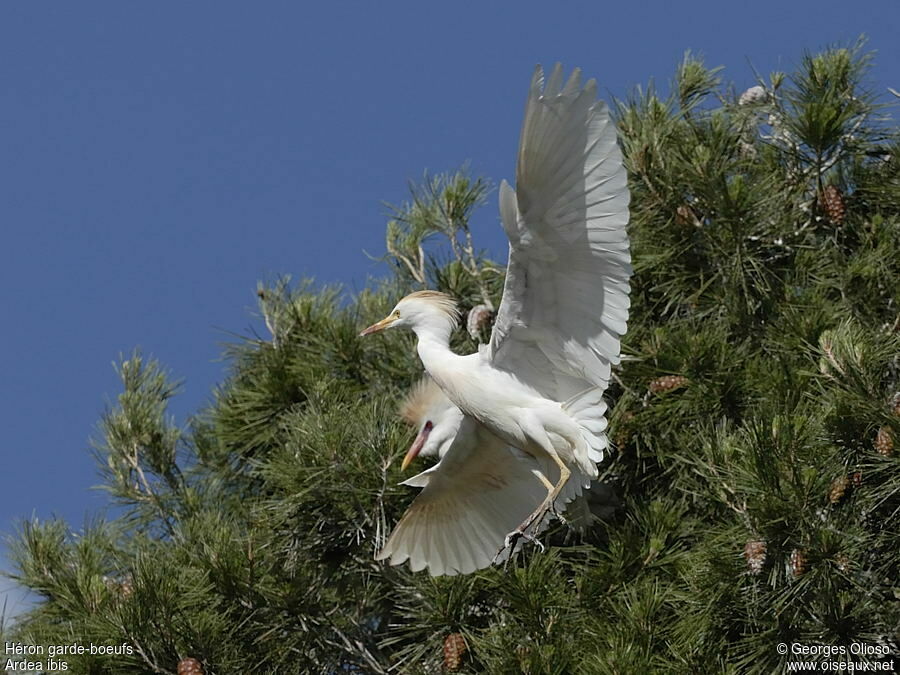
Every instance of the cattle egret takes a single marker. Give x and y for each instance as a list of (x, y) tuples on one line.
[(530, 426), (479, 492)]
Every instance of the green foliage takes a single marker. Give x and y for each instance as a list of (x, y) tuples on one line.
[(751, 498), (441, 204)]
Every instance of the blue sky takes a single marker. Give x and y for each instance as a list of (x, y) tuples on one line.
[(157, 159)]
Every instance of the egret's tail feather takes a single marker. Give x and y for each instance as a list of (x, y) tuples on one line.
[(588, 410)]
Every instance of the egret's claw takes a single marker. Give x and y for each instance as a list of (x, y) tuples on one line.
[(509, 543), (558, 514)]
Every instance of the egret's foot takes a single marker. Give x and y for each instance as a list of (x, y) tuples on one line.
[(509, 544), (513, 538)]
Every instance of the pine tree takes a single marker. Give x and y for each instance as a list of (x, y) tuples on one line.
[(752, 498)]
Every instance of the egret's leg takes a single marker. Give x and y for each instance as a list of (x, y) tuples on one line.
[(540, 437), (552, 493), (544, 480), (521, 532), (550, 489)]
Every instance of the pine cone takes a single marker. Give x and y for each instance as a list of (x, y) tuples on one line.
[(856, 478), (884, 442), (454, 650), (189, 666), (667, 383), (842, 562), (838, 489), (755, 555), (832, 203), (799, 563), (479, 319)]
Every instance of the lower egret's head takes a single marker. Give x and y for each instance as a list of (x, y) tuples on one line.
[(428, 408)]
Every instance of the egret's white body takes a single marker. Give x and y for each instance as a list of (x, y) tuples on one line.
[(513, 410), (531, 425)]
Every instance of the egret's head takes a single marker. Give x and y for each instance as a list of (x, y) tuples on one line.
[(420, 310), (437, 419)]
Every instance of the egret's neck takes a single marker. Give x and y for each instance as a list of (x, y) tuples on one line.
[(434, 347)]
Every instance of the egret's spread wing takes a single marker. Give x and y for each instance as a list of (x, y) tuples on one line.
[(565, 302), (477, 494)]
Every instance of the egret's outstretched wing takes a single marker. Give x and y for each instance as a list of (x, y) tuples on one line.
[(565, 302), (477, 494)]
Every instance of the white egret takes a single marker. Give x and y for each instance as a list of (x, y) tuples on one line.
[(530, 403), (474, 495)]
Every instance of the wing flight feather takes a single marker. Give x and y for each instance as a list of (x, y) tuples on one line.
[(478, 493), (565, 302), (472, 498)]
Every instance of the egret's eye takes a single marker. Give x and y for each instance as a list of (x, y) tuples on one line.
[(397, 313)]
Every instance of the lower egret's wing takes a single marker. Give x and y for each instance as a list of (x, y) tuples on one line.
[(565, 301), (478, 493)]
